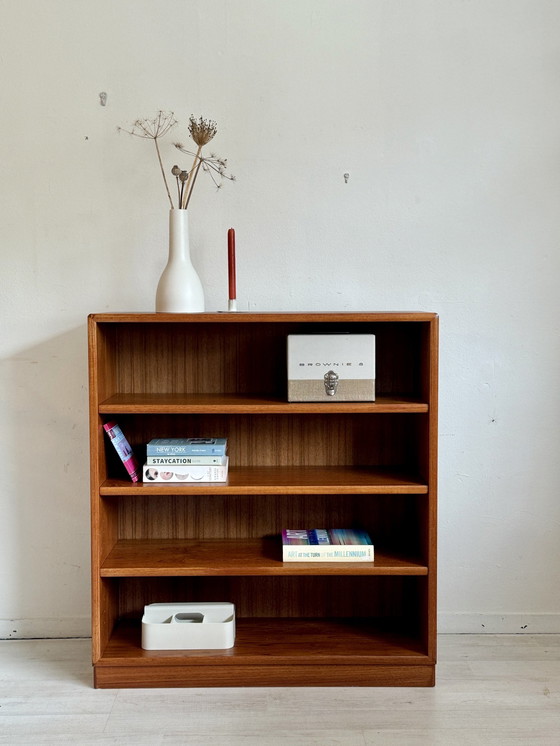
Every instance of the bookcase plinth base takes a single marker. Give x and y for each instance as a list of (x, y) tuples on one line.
[(114, 677)]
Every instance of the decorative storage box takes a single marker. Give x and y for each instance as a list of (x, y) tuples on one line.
[(188, 626), (331, 367)]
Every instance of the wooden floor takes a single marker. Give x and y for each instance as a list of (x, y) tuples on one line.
[(491, 689)]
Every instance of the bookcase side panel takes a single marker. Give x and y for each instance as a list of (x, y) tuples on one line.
[(427, 467), (431, 611), (105, 615), (103, 518)]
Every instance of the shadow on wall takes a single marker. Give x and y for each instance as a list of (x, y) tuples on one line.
[(45, 502)]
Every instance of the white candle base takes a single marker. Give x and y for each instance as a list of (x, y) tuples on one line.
[(232, 304)]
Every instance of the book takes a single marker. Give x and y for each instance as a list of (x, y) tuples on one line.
[(185, 460), (185, 474), (187, 447), (326, 545), (123, 448)]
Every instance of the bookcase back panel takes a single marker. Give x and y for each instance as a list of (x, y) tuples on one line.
[(393, 521), (309, 597), (243, 357), (286, 440)]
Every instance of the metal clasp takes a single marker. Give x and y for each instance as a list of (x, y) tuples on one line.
[(331, 382)]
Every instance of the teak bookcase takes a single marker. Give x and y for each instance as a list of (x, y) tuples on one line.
[(292, 465)]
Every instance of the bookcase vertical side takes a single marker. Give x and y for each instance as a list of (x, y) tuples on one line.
[(103, 516), (431, 379)]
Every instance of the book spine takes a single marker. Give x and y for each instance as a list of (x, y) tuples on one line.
[(328, 553), (348, 536), (217, 450), (295, 536), (123, 448), (184, 474), (319, 536), (185, 460)]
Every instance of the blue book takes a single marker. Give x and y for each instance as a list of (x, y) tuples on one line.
[(326, 545), (187, 447)]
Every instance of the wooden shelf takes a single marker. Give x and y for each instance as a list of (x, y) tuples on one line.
[(278, 480), (240, 557), (289, 641), (275, 652), (288, 317), (139, 403)]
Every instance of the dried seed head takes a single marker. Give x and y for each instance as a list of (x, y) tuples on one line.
[(153, 129), (184, 175), (175, 170), (202, 131)]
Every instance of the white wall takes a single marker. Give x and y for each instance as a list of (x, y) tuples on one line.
[(446, 115)]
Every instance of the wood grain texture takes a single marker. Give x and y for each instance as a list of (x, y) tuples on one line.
[(270, 480), (352, 317), (244, 357), (255, 676), (382, 441), (271, 642), (392, 520), (285, 597), (367, 465), (151, 558), (165, 403)]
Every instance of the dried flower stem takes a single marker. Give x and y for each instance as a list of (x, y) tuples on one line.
[(163, 172), (196, 161), (153, 129), (189, 195)]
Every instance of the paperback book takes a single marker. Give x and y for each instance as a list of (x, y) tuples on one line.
[(326, 545), (186, 474), (185, 460), (187, 447), (123, 448)]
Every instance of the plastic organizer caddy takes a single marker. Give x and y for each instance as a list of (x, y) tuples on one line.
[(188, 626)]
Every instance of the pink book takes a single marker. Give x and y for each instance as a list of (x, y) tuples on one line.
[(122, 447)]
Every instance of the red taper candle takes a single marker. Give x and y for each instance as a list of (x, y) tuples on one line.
[(231, 265)]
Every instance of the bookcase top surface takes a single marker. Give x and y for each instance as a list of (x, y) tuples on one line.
[(269, 317)]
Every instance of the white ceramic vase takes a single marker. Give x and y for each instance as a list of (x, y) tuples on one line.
[(179, 289)]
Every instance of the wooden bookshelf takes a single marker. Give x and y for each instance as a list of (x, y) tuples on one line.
[(223, 557), (371, 465), (297, 480), (241, 404)]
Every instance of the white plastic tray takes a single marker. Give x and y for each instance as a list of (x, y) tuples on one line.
[(177, 626)]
